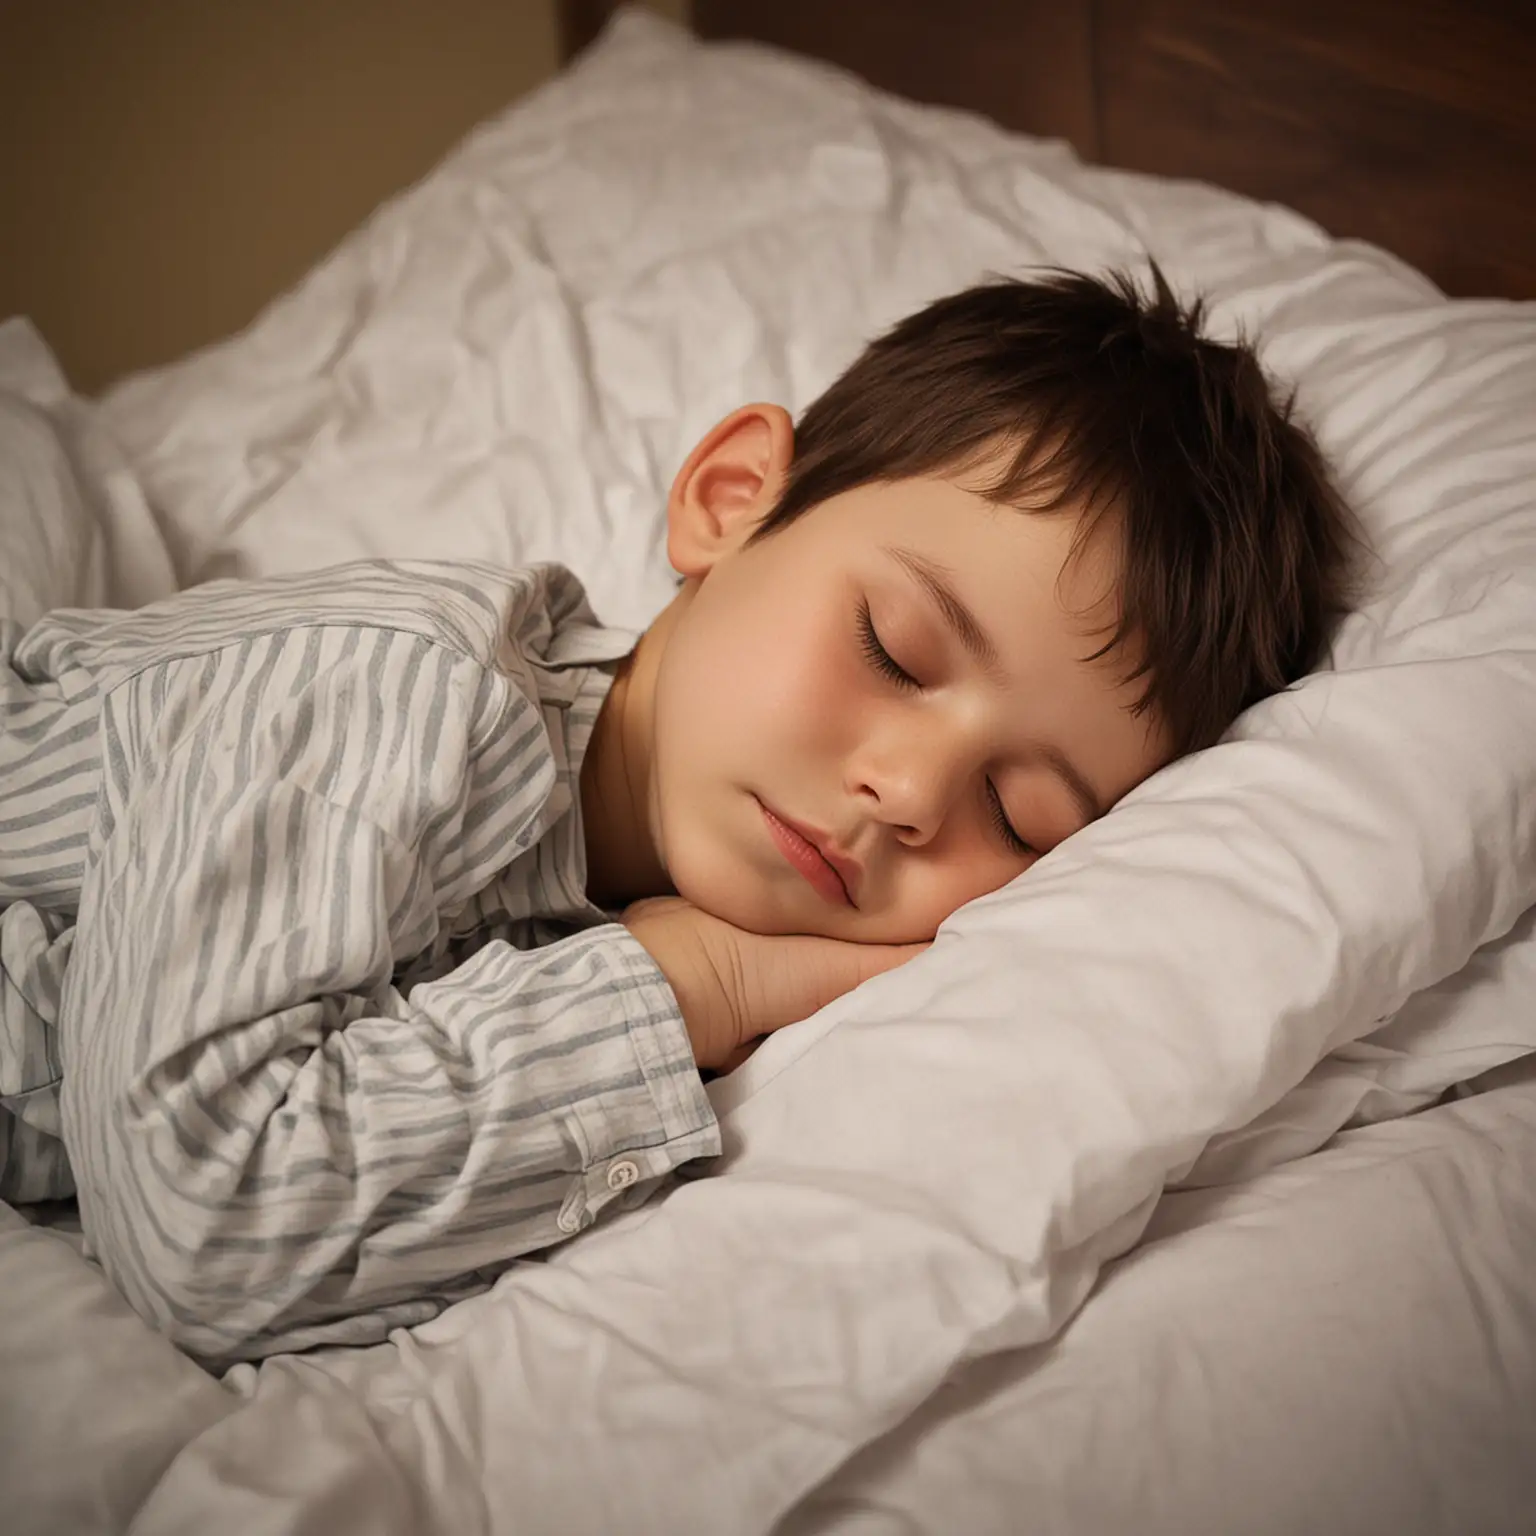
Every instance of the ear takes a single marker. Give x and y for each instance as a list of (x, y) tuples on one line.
[(727, 486)]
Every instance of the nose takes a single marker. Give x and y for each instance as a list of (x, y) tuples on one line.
[(909, 784)]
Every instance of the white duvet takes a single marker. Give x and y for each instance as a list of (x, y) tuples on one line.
[(1261, 943), (1346, 1345)]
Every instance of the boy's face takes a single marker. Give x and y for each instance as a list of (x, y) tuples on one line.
[(880, 711)]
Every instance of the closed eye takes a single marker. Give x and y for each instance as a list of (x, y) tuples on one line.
[(1014, 842), (877, 655)]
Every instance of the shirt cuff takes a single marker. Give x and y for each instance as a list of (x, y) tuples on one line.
[(637, 1135)]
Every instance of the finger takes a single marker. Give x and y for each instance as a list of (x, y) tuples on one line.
[(652, 906), (875, 959), (738, 1056)]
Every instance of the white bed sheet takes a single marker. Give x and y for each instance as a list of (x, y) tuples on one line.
[(1345, 1346), (94, 1405)]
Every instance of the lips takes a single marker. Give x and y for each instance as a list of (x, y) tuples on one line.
[(833, 875)]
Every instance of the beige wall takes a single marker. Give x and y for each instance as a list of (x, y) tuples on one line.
[(166, 166)]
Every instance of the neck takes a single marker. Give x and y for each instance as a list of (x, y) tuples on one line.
[(624, 860)]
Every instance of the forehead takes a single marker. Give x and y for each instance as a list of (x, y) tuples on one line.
[(1026, 560)]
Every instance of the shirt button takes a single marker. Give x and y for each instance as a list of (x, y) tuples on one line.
[(569, 1219), (622, 1175)]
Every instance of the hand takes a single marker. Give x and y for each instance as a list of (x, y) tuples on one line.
[(732, 985)]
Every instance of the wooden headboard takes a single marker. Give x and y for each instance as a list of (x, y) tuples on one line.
[(1410, 123)]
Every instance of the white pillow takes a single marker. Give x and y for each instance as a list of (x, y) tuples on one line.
[(512, 358), (74, 528)]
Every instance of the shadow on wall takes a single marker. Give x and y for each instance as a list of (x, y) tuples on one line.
[(167, 166)]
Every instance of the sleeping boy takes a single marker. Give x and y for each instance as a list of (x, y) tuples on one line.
[(365, 930)]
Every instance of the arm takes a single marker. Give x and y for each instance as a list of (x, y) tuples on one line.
[(266, 1133)]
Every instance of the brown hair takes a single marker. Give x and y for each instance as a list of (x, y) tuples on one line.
[(1235, 543)]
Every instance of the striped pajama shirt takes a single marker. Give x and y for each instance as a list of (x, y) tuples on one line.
[(300, 990)]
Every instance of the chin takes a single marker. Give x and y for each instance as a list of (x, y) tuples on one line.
[(754, 910), (735, 896), (737, 902)]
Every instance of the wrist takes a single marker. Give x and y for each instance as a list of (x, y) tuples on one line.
[(701, 992)]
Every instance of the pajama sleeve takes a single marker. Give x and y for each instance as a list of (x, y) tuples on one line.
[(267, 1135)]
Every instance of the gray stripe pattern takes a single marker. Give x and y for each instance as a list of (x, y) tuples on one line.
[(300, 990)]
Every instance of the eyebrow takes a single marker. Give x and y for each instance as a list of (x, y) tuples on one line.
[(1079, 787), (935, 580)]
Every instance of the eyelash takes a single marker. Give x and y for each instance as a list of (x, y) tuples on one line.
[(1016, 844), (877, 655), (891, 669)]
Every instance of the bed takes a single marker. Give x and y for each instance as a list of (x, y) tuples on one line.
[(1186, 1186)]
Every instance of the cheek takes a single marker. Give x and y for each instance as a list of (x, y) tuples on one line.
[(763, 678), (932, 889), (825, 691)]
